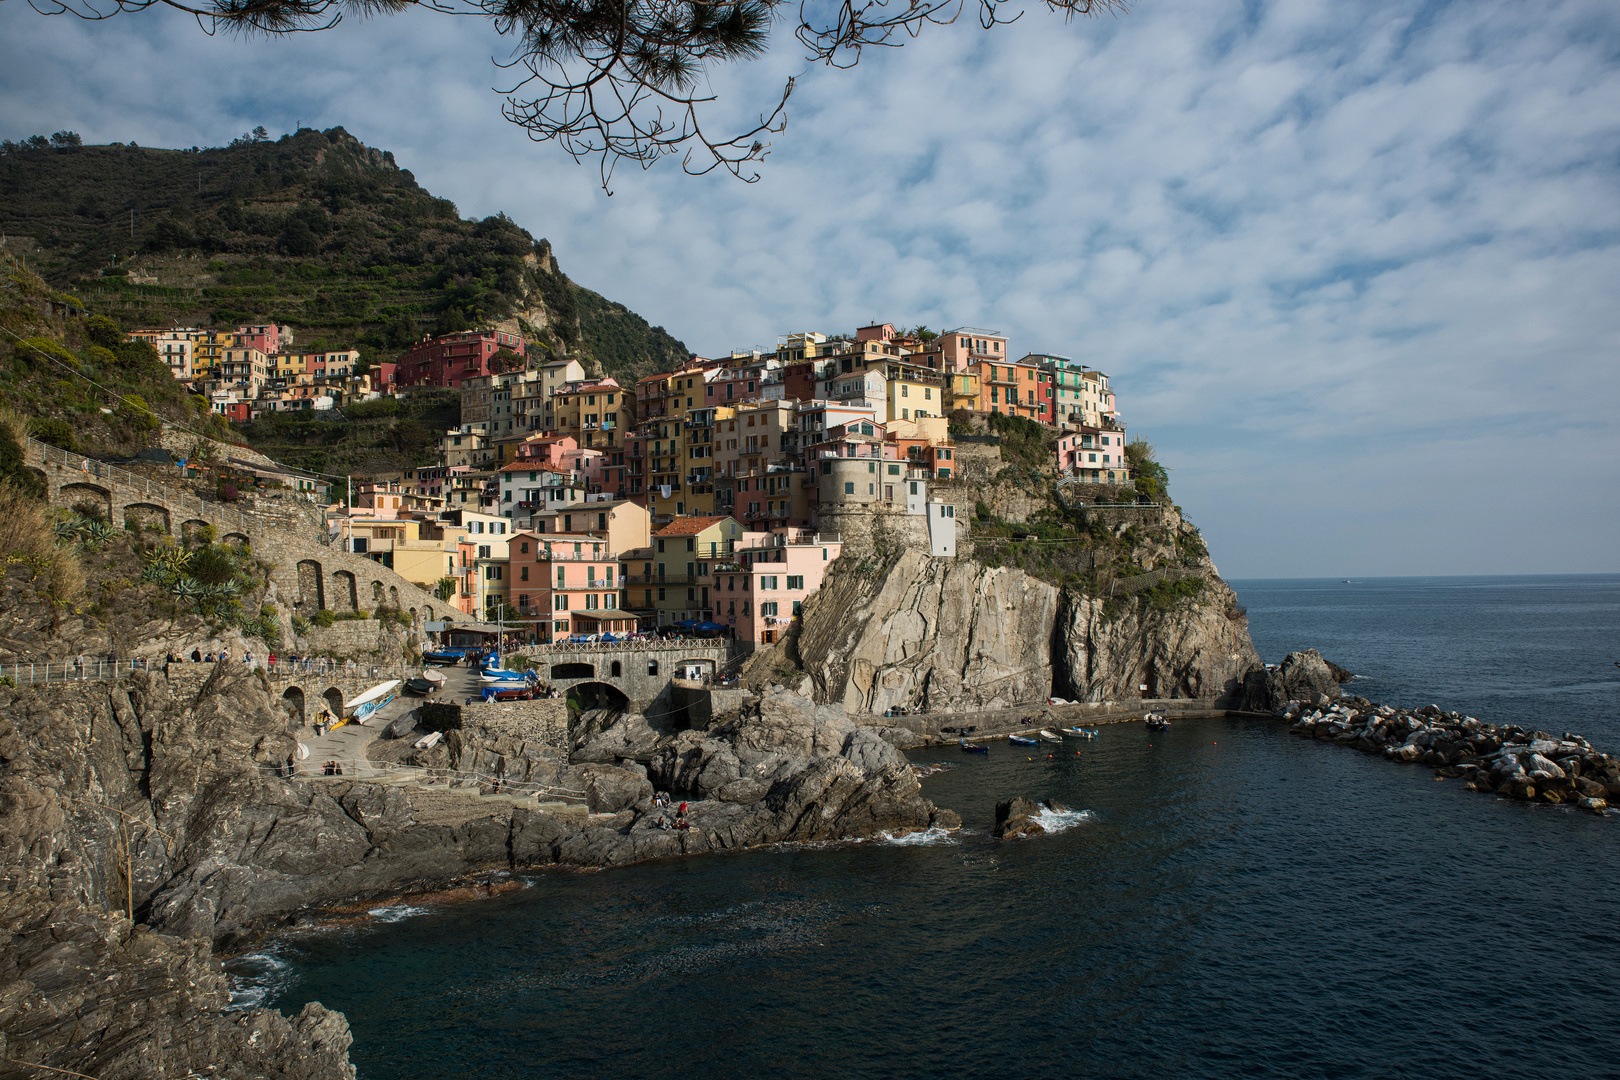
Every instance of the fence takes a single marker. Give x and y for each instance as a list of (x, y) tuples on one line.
[(426, 776), (62, 672), (112, 474)]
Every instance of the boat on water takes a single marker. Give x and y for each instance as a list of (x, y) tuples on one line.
[(1080, 732), (1156, 721), (974, 748), (1021, 740), (1050, 736)]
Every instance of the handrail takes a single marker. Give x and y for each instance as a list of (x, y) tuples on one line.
[(100, 470)]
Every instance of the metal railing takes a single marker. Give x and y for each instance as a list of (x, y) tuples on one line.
[(100, 470)]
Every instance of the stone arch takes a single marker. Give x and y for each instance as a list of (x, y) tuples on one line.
[(617, 670), (237, 538), (293, 698), (334, 698), (79, 492), (344, 595), (599, 695), (192, 527), (311, 589), (377, 593), (147, 514), (575, 670), (413, 616), (427, 612), (393, 597)]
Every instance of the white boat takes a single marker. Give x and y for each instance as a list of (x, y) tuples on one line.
[(429, 741), (303, 752), (371, 708), (378, 691), (433, 676), (1051, 736), (1080, 732)]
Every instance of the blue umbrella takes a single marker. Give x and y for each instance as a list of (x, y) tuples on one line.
[(707, 626)]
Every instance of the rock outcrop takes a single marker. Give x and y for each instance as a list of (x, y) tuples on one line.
[(931, 634), (1302, 676), (950, 635)]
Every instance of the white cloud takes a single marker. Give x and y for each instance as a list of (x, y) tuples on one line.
[(1351, 267)]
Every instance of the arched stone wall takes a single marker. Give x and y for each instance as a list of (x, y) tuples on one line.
[(573, 670), (80, 492), (293, 696), (311, 589), (344, 597), (334, 698), (148, 514)]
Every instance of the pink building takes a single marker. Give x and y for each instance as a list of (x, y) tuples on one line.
[(778, 573), (266, 339), (568, 584), (1094, 455)]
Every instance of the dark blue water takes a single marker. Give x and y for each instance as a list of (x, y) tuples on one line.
[(1236, 902)]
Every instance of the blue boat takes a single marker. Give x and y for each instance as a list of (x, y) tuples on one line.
[(1081, 732), (1019, 740), (974, 748)]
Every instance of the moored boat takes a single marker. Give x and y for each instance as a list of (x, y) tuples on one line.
[(1050, 736), (383, 689), (421, 687), (370, 708), (1021, 740), (1080, 732), (974, 748)]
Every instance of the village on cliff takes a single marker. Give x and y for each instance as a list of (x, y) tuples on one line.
[(712, 497)]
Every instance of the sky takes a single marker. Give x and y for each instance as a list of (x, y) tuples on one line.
[(1346, 264)]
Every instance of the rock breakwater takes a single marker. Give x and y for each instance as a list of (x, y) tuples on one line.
[(1506, 760)]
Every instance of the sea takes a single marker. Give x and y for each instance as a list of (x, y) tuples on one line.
[(1216, 900)]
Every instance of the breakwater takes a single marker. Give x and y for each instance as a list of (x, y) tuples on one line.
[(1506, 759)]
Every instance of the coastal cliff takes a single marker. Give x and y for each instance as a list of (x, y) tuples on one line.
[(960, 634)]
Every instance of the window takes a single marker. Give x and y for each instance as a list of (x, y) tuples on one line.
[(562, 577), (798, 606), (652, 667), (849, 488), (768, 608), (610, 600), (795, 581), (525, 574), (662, 594), (767, 583), (559, 602)]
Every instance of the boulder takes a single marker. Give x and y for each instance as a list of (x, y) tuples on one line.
[(1302, 676), (609, 789), (1016, 817)]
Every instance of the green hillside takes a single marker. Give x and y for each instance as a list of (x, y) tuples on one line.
[(312, 230)]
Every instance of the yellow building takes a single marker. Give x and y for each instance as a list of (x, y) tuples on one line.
[(596, 414), (679, 577), (663, 402), (208, 352), (963, 390)]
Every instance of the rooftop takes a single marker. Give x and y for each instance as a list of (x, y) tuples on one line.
[(690, 526)]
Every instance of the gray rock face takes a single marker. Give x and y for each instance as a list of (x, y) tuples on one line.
[(609, 789), (1302, 676), (930, 633)]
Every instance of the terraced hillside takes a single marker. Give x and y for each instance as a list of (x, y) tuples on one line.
[(314, 230)]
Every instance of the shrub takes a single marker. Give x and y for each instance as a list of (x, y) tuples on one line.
[(324, 618)]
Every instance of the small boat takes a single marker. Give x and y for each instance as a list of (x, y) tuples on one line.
[(1156, 721), (1050, 736), (1080, 732), (499, 675), (421, 687), (371, 707), (448, 657), (434, 677), (1020, 740), (371, 695), (429, 741), (974, 748)]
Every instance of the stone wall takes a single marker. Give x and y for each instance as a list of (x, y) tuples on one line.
[(354, 638), (542, 720)]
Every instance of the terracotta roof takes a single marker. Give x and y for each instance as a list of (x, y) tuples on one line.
[(689, 526)]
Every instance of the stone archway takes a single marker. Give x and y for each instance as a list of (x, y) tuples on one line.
[(311, 589), (39, 474), (237, 538), (191, 529), (599, 695), (573, 671), (293, 699), (377, 594), (334, 699), (393, 597), (146, 515), (345, 597), (427, 612), (95, 496)]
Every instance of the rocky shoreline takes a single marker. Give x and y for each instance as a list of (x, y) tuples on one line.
[(1506, 760)]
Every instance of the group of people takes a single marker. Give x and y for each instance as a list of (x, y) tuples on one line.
[(897, 710), (679, 823)]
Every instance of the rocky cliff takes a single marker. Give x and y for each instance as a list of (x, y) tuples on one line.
[(956, 634)]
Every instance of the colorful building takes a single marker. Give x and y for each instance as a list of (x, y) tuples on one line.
[(450, 359)]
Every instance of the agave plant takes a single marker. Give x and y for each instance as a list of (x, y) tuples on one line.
[(188, 588), (98, 533)]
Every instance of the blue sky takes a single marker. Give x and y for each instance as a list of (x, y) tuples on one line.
[(1354, 268)]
